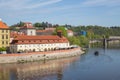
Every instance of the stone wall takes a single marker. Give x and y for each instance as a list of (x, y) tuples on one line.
[(39, 56)]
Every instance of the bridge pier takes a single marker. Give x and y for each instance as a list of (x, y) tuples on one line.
[(105, 44)]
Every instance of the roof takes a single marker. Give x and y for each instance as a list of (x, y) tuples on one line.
[(44, 31), (43, 37), (15, 34), (27, 25), (24, 39), (3, 25)]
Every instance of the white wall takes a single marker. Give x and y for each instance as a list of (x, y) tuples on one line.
[(37, 47), (31, 32)]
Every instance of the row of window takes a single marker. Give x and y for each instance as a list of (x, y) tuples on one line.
[(5, 42), (44, 41), (4, 36), (5, 31), (44, 45)]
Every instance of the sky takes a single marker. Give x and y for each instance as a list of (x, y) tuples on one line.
[(73, 12)]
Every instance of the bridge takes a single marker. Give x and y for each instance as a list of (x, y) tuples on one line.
[(106, 41)]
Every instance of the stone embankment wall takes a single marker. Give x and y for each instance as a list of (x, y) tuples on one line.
[(39, 56)]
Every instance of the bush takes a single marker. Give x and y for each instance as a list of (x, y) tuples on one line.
[(2, 49)]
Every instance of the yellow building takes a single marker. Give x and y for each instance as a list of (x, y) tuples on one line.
[(4, 35)]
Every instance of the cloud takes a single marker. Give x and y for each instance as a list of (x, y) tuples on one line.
[(26, 4), (101, 3), (44, 3)]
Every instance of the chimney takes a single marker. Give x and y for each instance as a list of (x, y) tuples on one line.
[(59, 33)]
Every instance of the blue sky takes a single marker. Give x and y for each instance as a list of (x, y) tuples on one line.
[(74, 12)]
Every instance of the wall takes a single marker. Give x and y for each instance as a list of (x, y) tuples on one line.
[(36, 47), (31, 32), (35, 56)]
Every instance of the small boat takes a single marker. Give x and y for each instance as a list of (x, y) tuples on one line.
[(96, 53)]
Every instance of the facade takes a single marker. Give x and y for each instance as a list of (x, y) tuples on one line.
[(38, 43), (28, 29), (4, 35)]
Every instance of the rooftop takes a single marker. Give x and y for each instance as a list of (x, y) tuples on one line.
[(3, 25)]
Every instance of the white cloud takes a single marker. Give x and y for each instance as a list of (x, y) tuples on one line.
[(26, 4), (101, 3)]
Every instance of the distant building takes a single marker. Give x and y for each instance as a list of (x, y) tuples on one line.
[(70, 33), (4, 35), (46, 31), (28, 29), (82, 32)]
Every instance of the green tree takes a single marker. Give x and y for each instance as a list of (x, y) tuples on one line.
[(38, 25), (63, 29), (74, 40)]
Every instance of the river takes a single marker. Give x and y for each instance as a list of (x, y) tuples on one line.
[(105, 66)]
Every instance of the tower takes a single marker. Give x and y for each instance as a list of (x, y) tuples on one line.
[(28, 29)]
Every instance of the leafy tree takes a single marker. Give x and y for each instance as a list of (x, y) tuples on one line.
[(74, 40), (63, 29), (38, 25)]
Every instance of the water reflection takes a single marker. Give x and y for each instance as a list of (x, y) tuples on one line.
[(49, 70)]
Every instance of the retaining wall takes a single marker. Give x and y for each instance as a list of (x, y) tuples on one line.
[(39, 56)]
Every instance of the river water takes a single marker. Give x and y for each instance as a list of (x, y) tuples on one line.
[(105, 66)]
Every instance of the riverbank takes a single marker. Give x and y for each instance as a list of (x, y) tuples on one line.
[(39, 56)]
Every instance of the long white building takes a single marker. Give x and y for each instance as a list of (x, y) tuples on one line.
[(38, 43)]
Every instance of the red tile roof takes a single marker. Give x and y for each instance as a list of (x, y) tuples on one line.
[(3, 26), (15, 34), (23, 39)]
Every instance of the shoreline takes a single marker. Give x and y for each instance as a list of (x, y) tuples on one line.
[(39, 56)]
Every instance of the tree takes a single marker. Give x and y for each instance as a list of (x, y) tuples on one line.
[(63, 29), (38, 25), (74, 40)]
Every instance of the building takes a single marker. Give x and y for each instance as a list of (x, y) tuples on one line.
[(38, 43), (70, 33), (14, 34), (83, 33), (4, 35), (28, 29), (46, 31)]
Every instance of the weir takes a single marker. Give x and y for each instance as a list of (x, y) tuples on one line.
[(106, 42)]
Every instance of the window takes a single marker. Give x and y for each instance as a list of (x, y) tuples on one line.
[(2, 31), (6, 42), (6, 36), (31, 32), (2, 42), (6, 31), (2, 36)]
